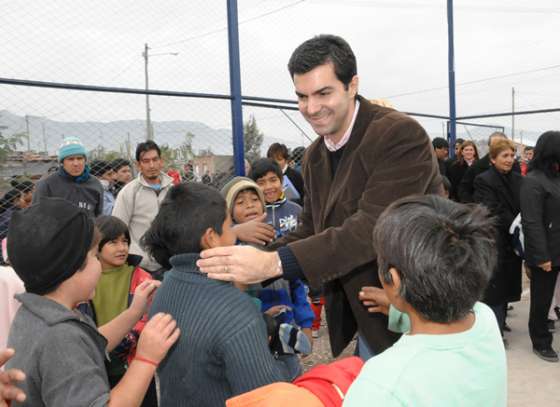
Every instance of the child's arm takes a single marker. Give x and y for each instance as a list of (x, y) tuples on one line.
[(115, 330), (159, 334)]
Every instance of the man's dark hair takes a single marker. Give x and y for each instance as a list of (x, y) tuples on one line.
[(443, 251), (440, 142), (459, 141), (324, 49), (528, 148), (495, 134), (278, 150), (187, 211), (119, 163), (145, 147), (22, 186), (110, 228), (263, 166), (546, 157)]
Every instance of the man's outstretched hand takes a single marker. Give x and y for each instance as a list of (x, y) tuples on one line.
[(242, 264)]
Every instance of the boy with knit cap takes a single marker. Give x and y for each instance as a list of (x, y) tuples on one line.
[(73, 181), (285, 301), (53, 249)]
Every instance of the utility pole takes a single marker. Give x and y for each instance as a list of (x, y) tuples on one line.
[(27, 133), (148, 119), (44, 139), (513, 114)]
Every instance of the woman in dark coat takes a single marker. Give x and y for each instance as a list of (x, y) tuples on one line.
[(468, 156), (540, 218), (498, 189)]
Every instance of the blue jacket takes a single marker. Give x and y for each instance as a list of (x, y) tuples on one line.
[(283, 215)]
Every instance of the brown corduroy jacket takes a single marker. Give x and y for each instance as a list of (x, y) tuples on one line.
[(388, 156)]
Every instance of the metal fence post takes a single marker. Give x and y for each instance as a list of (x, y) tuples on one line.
[(235, 89), (451, 63)]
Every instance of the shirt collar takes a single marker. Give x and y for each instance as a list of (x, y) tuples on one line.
[(332, 147)]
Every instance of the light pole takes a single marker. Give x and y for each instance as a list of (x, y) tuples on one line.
[(146, 55)]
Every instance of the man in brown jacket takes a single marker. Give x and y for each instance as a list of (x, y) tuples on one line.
[(367, 157)]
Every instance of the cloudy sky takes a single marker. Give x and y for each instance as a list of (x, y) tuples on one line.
[(401, 47)]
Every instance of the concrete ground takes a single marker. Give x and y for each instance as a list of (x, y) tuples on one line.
[(531, 381)]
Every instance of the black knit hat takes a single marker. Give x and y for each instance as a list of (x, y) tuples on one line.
[(48, 242)]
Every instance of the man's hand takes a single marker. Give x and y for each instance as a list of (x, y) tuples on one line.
[(8, 379), (375, 299), (143, 296), (255, 231), (546, 266), (244, 264)]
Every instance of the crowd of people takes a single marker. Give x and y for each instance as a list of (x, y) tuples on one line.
[(153, 290)]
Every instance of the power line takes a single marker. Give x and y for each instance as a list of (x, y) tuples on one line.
[(217, 30), (491, 78)]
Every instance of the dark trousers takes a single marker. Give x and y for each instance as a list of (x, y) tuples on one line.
[(542, 290), (500, 312)]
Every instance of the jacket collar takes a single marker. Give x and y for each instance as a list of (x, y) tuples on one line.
[(165, 180), (48, 310)]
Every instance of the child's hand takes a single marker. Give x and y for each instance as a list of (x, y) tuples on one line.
[(276, 310), (8, 380), (143, 296), (255, 231), (159, 334), (375, 299)]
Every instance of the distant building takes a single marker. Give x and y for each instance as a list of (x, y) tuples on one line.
[(27, 163)]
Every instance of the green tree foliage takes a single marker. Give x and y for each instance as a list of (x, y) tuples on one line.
[(8, 144), (252, 138)]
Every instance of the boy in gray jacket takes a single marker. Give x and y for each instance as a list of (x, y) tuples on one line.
[(53, 249)]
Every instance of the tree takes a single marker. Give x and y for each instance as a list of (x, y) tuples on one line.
[(252, 139), (168, 155), (185, 152), (8, 144)]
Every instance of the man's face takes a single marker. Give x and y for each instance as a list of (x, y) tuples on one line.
[(529, 154), (74, 165), (324, 102), (150, 164), (442, 153), (457, 149), (271, 186), (109, 176), (124, 174)]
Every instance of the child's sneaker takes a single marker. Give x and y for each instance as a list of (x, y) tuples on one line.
[(294, 340), (315, 333)]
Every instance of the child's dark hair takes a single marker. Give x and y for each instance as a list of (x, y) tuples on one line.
[(278, 150), (110, 228), (187, 211), (264, 166)]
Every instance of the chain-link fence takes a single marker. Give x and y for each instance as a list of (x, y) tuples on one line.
[(477, 133)]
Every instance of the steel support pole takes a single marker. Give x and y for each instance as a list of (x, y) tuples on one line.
[(235, 89), (451, 65)]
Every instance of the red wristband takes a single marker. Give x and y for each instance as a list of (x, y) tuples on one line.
[(141, 359)]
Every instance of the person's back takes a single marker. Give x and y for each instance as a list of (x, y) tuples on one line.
[(461, 369), (435, 261), (226, 351)]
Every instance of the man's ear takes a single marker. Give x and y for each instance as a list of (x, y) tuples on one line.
[(209, 239), (353, 86)]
